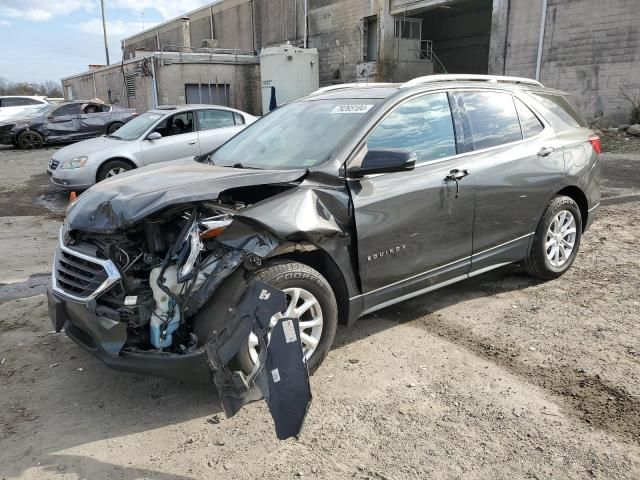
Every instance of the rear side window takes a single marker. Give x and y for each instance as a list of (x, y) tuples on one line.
[(14, 102), (210, 119), (422, 125), (564, 115), (529, 123), (492, 118)]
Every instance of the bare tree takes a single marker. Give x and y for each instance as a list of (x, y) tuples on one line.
[(633, 97)]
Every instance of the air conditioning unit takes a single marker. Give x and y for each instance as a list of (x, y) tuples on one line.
[(209, 43)]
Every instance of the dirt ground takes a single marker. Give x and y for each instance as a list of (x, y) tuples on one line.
[(497, 377)]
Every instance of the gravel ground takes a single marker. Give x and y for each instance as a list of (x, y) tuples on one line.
[(496, 377)]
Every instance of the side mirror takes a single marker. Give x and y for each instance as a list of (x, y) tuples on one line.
[(154, 136), (384, 161)]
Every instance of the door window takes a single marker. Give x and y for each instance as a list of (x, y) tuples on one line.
[(422, 125), (238, 118), (176, 124), (492, 117), (210, 119), (15, 102), (529, 123), (68, 109)]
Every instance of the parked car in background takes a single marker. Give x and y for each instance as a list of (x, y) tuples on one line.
[(12, 105), (65, 122), (159, 135)]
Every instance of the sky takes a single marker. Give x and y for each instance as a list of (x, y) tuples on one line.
[(50, 39)]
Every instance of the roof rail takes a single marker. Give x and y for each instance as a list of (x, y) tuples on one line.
[(469, 77), (350, 85)]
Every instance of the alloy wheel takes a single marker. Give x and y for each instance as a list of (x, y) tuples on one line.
[(115, 171), (303, 305), (560, 238)]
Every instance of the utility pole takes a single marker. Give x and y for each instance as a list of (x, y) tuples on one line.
[(104, 30)]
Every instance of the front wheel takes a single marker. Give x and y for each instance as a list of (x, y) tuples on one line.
[(556, 240), (311, 300), (112, 168), (30, 139)]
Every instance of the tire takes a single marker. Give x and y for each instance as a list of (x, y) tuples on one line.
[(560, 226), (30, 139), (289, 275), (113, 127), (112, 168)]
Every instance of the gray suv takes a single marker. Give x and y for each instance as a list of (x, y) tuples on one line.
[(349, 200)]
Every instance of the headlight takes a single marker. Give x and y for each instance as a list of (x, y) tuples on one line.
[(76, 162)]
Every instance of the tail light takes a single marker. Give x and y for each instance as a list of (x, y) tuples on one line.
[(595, 142)]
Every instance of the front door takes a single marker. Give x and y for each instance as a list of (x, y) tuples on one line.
[(414, 228), (179, 140), (63, 123)]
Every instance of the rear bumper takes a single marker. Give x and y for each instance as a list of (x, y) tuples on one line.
[(593, 211), (104, 338)]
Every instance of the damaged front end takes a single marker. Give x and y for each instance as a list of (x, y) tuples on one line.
[(146, 299)]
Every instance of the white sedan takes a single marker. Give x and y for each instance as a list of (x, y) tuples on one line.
[(159, 135)]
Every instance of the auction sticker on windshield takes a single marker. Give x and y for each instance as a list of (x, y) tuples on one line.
[(352, 109)]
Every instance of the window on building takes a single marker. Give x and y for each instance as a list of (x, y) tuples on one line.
[(422, 125), (207, 93), (176, 124), (210, 119), (492, 117), (370, 25), (529, 123), (409, 28)]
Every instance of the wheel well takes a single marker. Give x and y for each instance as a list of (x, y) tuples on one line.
[(580, 198), (323, 263), (125, 160), (111, 123)]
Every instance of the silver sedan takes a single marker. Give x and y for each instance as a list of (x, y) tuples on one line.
[(159, 135)]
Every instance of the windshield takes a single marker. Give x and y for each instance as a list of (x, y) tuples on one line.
[(297, 135), (133, 129)]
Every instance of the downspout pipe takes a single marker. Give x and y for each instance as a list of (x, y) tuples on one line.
[(543, 21), (306, 27), (154, 83)]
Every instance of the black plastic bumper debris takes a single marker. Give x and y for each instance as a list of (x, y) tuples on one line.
[(281, 375)]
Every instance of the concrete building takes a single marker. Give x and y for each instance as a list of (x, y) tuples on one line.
[(590, 48)]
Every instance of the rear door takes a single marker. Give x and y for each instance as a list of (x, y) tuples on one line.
[(216, 126), (94, 120), (179, 140), (517, 162), (414, 228)]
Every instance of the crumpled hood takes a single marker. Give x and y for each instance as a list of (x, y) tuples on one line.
[(128, 198)]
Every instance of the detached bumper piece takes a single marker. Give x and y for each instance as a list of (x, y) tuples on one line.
[(281, 375)]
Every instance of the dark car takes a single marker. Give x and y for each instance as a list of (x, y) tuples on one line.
[(348, 200), (64, 122)]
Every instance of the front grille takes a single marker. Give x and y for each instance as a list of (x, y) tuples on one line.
[(53, 164), (77, 276)]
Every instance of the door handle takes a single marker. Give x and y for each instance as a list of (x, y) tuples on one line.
[(545, 151), (193, 142), (454, 176)]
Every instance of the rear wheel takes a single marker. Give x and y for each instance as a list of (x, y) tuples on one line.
[(556, 240), (30, 139), (113, 168), (311, 300), (113, 127)]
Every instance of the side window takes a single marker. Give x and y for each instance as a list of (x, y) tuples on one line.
[(14, 102), (564, 113), (422, 125), (210, 119), (33, 101), (492, 117), (176, 124), (529, 123), (68, 109), (238, 118)]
